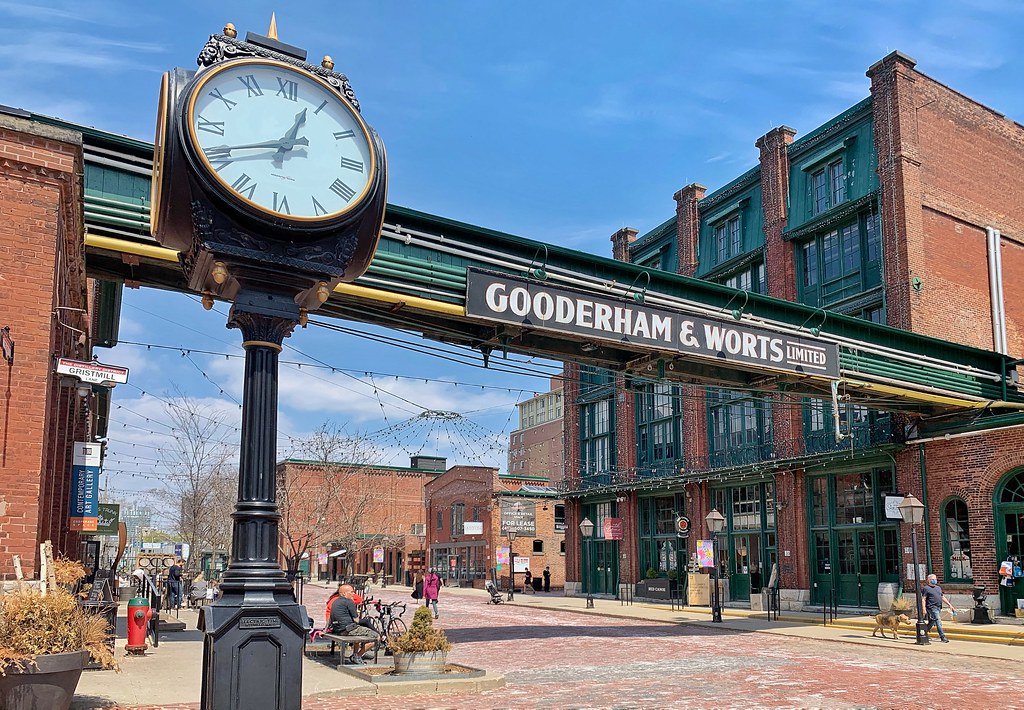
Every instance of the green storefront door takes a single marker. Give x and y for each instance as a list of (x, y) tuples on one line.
[(606, 567), (748, 544), (1009, 510), (853, 546)]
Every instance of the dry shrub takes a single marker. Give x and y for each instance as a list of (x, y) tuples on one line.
[(422, 637), (68, 572), (902, 604), (32, 625)]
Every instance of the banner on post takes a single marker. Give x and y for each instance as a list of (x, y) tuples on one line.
[(706, 553), (85, 486)]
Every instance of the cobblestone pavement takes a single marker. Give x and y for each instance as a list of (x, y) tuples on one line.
[(558, 659)]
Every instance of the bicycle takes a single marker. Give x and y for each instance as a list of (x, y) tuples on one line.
[(387, 623)]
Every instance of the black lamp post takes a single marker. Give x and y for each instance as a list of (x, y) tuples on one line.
[(716, 523), (587, 530), (912, 512)]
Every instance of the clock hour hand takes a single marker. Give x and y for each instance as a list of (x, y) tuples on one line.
[(289, 141)]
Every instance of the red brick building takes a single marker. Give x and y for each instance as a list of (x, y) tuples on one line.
[(43, 298), (348, 511), (907, 209), (464, 495)]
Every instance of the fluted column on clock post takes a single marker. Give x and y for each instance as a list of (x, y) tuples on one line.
[(253, 566)]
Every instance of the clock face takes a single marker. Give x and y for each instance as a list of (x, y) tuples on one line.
[(281, 140)]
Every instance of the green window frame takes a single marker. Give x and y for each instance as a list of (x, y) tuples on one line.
[(659, 435), (728, 238), (956, 541), (841, 262), (751, 279), (658, 541), (739, 427)]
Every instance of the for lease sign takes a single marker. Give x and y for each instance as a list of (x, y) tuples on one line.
[(537, 305)]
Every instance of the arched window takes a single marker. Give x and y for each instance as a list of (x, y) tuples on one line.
[(956, 541)]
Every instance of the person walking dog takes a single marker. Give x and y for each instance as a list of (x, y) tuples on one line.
[(431, 588), (932, 601)]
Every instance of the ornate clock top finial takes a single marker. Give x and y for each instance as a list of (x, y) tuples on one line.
[(272, 31), (230, 31), (327, 63)]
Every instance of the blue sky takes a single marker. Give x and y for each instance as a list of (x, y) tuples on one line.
[(561, 122)]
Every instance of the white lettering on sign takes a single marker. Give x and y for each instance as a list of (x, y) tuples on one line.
[(92, 372), (537, 305)]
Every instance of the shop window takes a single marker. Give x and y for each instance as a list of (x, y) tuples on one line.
[(538, 547), (956, 541)]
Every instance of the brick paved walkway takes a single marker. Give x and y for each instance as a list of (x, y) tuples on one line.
[(558, 659)]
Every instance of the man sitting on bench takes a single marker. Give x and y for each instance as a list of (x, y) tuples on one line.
[(345, 620)]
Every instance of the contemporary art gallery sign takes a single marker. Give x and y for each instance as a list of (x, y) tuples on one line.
[(533, 304)]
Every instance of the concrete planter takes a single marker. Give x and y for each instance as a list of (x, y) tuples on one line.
[(49, 682), (422, 662)]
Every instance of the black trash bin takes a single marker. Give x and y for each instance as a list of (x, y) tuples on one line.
[(538, 584)]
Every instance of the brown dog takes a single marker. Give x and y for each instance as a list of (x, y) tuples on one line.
[(891, 621)]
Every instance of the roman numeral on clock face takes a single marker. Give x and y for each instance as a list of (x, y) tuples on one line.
[(282, 205), (342, 190), (227, 102), (318, 209), (250, 84), (356, 165), (244, 186), (216, 127), (344, 134), (219, 156), (288, 89)]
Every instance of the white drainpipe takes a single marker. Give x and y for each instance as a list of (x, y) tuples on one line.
[(995, 281)]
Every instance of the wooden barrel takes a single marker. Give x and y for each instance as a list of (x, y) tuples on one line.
[(424, 662)]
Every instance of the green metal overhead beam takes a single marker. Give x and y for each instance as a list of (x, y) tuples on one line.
[(423, 259)]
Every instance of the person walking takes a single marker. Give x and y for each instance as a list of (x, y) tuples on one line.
[(431, 588), (174, 583), (547, 579), (931, 605), (528, 580)]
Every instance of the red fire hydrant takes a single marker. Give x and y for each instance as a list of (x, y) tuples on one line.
[(139, 615)]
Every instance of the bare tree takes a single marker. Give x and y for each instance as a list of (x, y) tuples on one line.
[(200, 480), (330, 496)]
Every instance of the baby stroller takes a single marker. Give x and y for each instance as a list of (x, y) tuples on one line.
[(493, 591)]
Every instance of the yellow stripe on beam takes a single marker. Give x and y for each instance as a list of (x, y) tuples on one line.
[(154, 252), (126, 247), (920, 396)]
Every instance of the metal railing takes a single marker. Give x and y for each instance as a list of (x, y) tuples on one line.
[(625, 595), (771, 602), (830, 608)]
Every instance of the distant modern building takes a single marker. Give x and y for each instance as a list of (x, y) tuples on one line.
[(907, 209), (536, 448)]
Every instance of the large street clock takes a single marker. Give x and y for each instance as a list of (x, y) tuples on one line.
[(262, 163)]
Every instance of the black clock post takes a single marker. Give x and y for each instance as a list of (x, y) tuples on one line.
[(275, 256)]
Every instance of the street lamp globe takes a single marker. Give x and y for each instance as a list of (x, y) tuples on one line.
[(911, 510), (586, 527), (715, 521)]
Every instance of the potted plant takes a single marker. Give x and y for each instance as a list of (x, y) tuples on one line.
[(902, 605), (43, 642), (421, 649)]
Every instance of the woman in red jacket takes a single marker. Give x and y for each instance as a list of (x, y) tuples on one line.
[(431, 588)]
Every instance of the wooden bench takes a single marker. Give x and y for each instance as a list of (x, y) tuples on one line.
[(345, 640)]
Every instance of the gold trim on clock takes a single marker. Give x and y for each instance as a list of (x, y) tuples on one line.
[(159, 151), (195, 147)]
